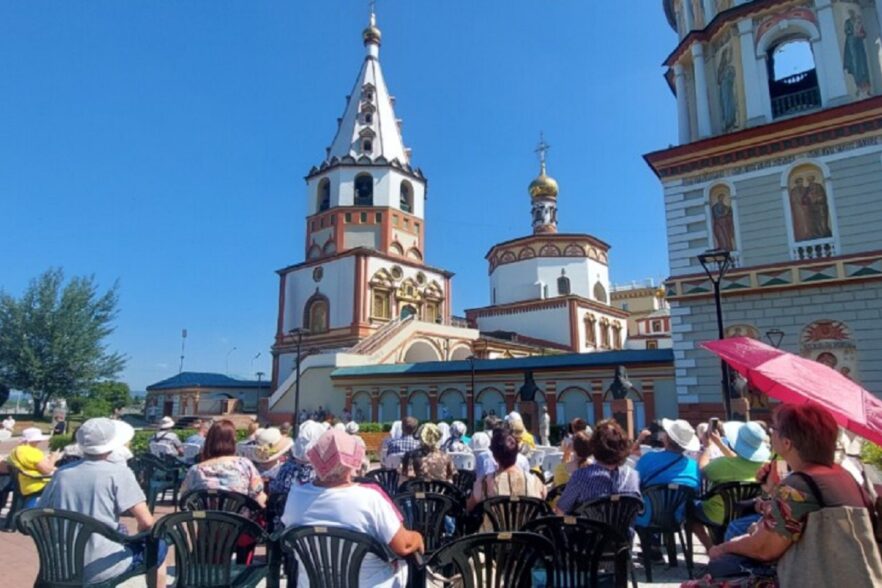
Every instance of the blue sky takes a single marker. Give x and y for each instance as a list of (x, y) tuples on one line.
[(164, 144)]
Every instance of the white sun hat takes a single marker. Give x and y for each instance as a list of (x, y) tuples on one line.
[(102, 435), (681, 433), (166, 423), (32, 435)]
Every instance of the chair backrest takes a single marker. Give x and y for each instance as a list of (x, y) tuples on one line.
[(61, 538), (204, 543), (393, 462), (511, 513), (275, 508), (555, 493), (465, 481), (330, 556), (494, 560), (433, 486), (551, 461), (732, 493), (425, 513), (579, 546), (666, 501), (616, 510), (463, 460), (191, 451), (385, 479), (222, 501), (536, 457)]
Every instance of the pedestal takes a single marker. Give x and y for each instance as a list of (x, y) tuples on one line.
[(529, 413), (740, 409), (623, 413)]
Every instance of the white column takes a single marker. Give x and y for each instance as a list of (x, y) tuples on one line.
[(682, 104), (687, 16), (755, 92), (828, 58), (708, 11), (702, 108)]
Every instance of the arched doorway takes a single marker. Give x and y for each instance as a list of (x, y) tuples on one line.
[(390, 407), (490, 401), (361, 407), (418, 406), (407, 311), (421, 351), (575, 402), (452, 405)]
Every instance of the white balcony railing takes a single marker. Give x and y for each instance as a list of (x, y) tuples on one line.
[(816, 249)]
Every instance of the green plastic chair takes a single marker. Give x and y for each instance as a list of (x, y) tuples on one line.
[(738, 498), (61, 537), (159, 477), (511, 513), (18, 499), (204, 543)]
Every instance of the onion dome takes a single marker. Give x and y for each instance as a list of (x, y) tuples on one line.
[(544, 186), (372, 33)]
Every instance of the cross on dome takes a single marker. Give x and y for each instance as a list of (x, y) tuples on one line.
[(542, 149)]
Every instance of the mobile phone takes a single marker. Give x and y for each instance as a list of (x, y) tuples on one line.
[(714, 425)]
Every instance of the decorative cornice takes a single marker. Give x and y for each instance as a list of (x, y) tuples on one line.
[(365, 252), (825, 127), (548, 245), (546, 304), (782, 276)]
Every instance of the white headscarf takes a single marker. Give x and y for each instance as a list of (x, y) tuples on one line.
[(458, 429), (445, 432), (352, 427), (340, 427), (480, 442), (395, 431), (309, 433)]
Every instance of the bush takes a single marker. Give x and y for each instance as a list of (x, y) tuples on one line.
[(872, 454), (374, 427), (59, 442)]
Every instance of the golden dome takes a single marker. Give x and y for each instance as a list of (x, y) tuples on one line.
[(543, 186), (372, 34)]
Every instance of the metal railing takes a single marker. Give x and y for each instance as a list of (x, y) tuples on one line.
[(795, 94)]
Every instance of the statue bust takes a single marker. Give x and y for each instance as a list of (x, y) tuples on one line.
[(622, 386), (529, 389)]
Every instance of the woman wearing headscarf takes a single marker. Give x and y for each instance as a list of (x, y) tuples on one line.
[(428, 462), (394, 433), (456, 443), (298, 470), (484, 462), (445, 432), (333, 500)]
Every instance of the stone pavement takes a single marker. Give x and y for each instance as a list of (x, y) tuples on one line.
[(18, 560)]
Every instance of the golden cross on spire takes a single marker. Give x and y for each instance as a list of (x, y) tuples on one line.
[(372, 6), (542, 149)]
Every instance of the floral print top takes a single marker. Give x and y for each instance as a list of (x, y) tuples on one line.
[(428, 465), (292, 472), (233, 474)]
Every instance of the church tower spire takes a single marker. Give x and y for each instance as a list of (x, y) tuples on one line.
[(543, 194)]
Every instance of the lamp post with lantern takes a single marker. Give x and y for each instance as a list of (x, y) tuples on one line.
[(716, 262)]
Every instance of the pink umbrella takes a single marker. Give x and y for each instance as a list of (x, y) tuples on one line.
[(796, 380)]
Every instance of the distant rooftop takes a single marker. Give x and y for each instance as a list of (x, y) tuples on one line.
[(205, 380), (634, 285)]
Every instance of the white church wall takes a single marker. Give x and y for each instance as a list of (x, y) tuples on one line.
[(519, 280), (551, 324), (361, 236), (387, 188), (337, 283)]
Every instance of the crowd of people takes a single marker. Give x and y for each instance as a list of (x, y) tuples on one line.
[(314, 475)]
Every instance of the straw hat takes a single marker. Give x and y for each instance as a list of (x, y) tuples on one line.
[(271, 445), (681, 433)]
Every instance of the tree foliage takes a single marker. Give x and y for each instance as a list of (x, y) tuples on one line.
[(52, 339)]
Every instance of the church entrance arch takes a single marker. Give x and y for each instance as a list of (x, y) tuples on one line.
[(575, 402), (418, 405), (361, 407), (390, 407), (455, 404), (421, 351), (407, 311), (490, 401)]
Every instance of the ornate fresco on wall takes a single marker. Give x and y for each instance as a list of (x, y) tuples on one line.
[(809, 205), (722, 218), (830, 342), (728, 76), (794, 13), (854, 41)]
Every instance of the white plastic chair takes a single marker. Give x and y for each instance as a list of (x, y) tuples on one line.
[(160, 449), (393, 462), (536, 458), (551, 461), (463, 460)]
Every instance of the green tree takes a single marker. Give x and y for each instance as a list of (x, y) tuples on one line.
[(117, 394), (4, 394), (52, 339)]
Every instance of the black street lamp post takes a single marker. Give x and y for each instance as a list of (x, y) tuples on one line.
[(775, 336), (716, 262), (299, 332), (471, 360)]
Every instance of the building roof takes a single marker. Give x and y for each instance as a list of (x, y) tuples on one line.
[(569, 360), (205, 380)]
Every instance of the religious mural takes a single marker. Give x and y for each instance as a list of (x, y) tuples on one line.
[(727, 73), (831, 343), (809, 206), (854, 41), (722, 218)]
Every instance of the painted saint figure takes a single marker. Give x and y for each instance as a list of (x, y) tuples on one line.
[(723, 222), (854, 59), (798, 210), (814, 200), (726, 81)]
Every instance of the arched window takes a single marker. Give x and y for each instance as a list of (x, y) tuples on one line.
[(381, 307), (316, 315), (617, 336), (324, 194), (406, 197), (364, 190), (590, 330), (563, 284), (599, 292), (793, 80), (604, 334), (811, 218), (407, 311), (368, 146)]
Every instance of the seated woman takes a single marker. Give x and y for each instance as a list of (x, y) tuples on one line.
[(456, 443), (333, 500), (580, 456), (428, 462), (220, 467), (271, 451), (33, 465), (805, 437), (484, 462), (610, 447), (509, 479), (297, 470)]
